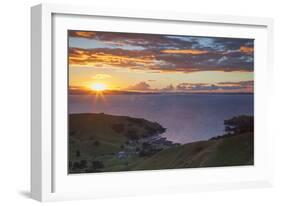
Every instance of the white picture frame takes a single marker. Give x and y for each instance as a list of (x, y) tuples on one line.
[(49, 178)]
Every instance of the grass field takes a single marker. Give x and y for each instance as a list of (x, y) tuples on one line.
[(99, 137), (230, 151)]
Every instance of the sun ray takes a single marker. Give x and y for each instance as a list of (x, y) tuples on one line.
[(98, 87)]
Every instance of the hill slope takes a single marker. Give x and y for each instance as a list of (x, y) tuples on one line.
[(229, 151), (93, 135), (106, 143)]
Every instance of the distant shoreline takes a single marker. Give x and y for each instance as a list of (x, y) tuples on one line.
[(161, 93)]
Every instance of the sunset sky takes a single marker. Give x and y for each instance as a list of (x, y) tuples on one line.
[(159, 63)]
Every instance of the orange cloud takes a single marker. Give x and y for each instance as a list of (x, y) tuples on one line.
[(81, 57), (184, 51), (83, 34), (247, 50)]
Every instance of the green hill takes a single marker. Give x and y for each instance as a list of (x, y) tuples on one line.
[(94, 135), (105, 143), (228, 151)]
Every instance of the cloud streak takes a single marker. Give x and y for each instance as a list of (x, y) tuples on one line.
[(184, 51), (164, 53), (245, 86), (240, 86)]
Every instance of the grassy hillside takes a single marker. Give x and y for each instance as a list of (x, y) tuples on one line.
[(105, 143), (97, 136), (229, 151)]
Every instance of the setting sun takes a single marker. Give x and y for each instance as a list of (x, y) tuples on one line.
[(136, 100), (98, 87)]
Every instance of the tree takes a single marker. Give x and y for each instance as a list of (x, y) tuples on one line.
[(132, 134), (76, 165), (97, 164), (96, 143), (77, 153), (83, 164), (239, 124), (80, 165), (145, 145), (70, 164)]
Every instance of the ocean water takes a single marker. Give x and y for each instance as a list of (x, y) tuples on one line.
[(187, 117)]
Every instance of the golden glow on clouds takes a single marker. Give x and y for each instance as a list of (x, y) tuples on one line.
[(85, 34), (155, 63), (120, 79), (247, 50), (98, 59)]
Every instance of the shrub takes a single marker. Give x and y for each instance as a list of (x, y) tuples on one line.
[(78, 153), (239, 124), (97, 164), (76, 165), (132, 134), (80, 165), (96, 143), (145, 145), (83, 164)]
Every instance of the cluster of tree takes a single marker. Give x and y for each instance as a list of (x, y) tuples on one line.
[(83, 165), (153, 130), (239, 124), (147, 150), (97, 164), (149, 131), (132, 134), (78, 165)]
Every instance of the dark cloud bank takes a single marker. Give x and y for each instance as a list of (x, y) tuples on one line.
[(165, 53)]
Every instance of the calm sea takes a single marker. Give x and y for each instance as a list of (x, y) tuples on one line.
[(187, 117)]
